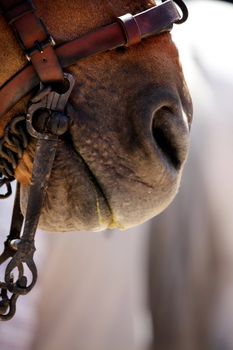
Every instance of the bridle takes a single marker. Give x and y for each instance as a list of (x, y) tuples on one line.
[(48, 105)]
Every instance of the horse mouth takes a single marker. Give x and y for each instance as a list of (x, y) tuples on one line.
[(102, 208), (98, 189), (111, 182)]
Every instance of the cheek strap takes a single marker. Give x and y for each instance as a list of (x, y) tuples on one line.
[(34, 39)]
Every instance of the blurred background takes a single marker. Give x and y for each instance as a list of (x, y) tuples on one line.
[(168, 284)]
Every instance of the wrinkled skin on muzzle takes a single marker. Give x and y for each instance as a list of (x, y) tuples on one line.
[(121, 161)]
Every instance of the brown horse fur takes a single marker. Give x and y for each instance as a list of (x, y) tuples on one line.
[(112, 161)]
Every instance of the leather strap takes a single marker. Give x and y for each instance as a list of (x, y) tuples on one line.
[(151, 22), (33, 38), (18, 11), (131, 29)]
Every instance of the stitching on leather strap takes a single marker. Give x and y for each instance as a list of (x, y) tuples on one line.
[(131, 29)]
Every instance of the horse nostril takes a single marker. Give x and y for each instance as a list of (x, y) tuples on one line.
[(165, 145), (171, 137)]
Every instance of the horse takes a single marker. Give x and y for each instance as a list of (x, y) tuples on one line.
[(90, 137), (129, 114)]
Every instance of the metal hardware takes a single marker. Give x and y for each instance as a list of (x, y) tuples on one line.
[(39, 47), (48, 100), (12, 146), (184, 10), (7, 183), (21, 247)]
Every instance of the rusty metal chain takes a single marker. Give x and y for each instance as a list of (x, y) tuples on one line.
[(12, 146)]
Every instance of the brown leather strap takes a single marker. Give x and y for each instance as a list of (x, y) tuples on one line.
[(14, 10), (131, 29), (33, 38), (151, 22), (154, 21), (18, 11)]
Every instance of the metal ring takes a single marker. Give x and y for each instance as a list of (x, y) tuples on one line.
[(184, 10), (7, 183)]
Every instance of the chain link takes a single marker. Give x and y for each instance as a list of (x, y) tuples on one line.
[(12, 146)]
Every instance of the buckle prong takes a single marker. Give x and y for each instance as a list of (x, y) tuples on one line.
[(39, 47)]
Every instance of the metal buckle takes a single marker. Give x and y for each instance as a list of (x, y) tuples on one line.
[(39, 45)]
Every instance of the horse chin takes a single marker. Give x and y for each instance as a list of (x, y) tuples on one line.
[(83, 208), (83, 200), (99, 181), (92, 208), (99, 216), (130, 209)]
